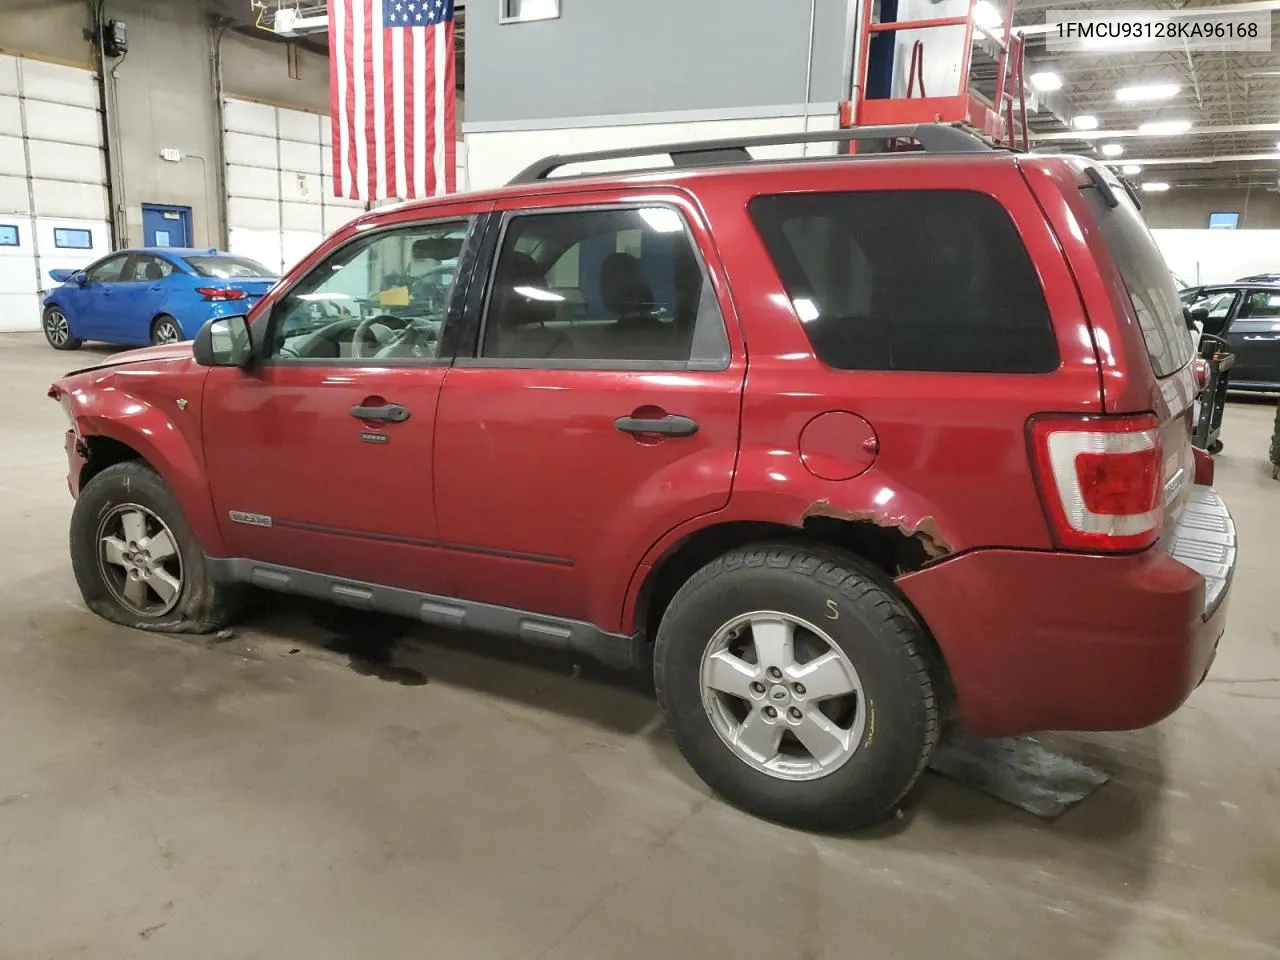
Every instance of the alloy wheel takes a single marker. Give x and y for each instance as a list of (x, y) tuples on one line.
[(56, 328), (139, 560), (782, 695), (167, 332)]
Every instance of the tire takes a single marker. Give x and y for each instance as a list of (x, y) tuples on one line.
[(1275, 446), (1215, 447), (198, 605), (57, 330), (165, 329), (899, 673)]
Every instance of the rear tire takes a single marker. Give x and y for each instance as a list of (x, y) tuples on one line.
[(136, 560), (165, 329), (57, 330), (843, 614)]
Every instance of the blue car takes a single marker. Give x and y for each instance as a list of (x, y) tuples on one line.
[(159, 295)]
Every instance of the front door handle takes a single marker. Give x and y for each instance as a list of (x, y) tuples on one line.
[(669, 426), (391, 412)]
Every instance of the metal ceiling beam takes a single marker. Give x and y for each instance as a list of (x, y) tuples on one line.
[(1174, 161), (1193, 132)]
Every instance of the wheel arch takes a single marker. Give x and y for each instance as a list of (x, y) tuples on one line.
[(119, 427), (890, 549)]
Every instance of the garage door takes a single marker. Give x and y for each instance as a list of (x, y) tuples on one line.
[(280, 200), (53, 195)]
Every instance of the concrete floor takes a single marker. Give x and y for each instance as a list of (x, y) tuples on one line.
[(321, 787)]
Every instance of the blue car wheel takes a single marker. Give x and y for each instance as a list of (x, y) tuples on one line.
[(57, 329), (165, 329)]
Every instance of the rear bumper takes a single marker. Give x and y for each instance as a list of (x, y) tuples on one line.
[(1063, 641)]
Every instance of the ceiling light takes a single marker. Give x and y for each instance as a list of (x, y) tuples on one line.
[(1086, 121), (1046, 82), (1148, 91), (1164, 128), (1112, 149), (986, 15), (537, 293), (1131, 169), (1155, 186)]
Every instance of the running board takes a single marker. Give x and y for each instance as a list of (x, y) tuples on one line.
[(615, 650)]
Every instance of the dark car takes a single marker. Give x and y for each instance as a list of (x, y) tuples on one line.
[(1247, 316), (844, 448)]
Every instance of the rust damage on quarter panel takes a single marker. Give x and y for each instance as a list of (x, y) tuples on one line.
[(925, 530)]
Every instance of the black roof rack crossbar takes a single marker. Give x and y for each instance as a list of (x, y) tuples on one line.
[(933, 137)]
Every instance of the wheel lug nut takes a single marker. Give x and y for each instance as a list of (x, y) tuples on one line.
[(757, 687), (774, 673), (794, 713), (770, 712), (799, 689)]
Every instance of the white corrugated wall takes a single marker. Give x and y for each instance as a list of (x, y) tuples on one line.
[(52, 181), (280, 200)]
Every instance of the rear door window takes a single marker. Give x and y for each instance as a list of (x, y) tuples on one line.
[(1146, 278), (909, 280)]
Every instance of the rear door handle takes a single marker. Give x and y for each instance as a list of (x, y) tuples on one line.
[(669, 426), (391, 412)]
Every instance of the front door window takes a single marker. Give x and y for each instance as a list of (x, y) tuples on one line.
[(382, 297)]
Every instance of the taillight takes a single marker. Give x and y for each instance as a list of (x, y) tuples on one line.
[(217, 294), (1101, 479), (1200, 371)]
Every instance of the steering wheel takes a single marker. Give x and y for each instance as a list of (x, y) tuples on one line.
[(365, 343)]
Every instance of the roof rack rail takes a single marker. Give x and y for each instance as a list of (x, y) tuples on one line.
[(932, 137)]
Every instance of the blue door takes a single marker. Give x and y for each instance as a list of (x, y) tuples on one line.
[(166, 226)]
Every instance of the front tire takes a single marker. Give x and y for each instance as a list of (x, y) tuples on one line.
[(57, 330), (136, 560), (165, 329), (798, 685)]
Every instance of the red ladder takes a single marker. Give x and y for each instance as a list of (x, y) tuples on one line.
[(1004, 122)]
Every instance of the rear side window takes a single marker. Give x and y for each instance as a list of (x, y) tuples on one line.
[(1147, 279), (909, 280)]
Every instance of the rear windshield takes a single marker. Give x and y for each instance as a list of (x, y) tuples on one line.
[(228, 267), (909, 280), (1152, 291)]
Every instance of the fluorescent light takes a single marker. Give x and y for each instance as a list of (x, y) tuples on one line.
[(1131, 169), (537, 293), (1086, 121), (1164, 128), (1046, 82), (1112, 149), (662, 219), (986, 15), (1148, 91), (806, 309), (1155, 186)]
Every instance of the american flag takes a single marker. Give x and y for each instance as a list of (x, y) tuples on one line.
[(391, 93)]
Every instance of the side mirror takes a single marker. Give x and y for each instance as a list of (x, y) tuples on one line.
[(224, 342), (81, 278), (1200, 314)]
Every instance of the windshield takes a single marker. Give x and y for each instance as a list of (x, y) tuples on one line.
[(227, 267)]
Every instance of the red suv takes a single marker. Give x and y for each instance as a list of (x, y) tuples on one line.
[(849, 446)]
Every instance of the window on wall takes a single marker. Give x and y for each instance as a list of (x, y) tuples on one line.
[(383, 297), (602, 286), (521, 11), (72, 239), (8, 235)]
